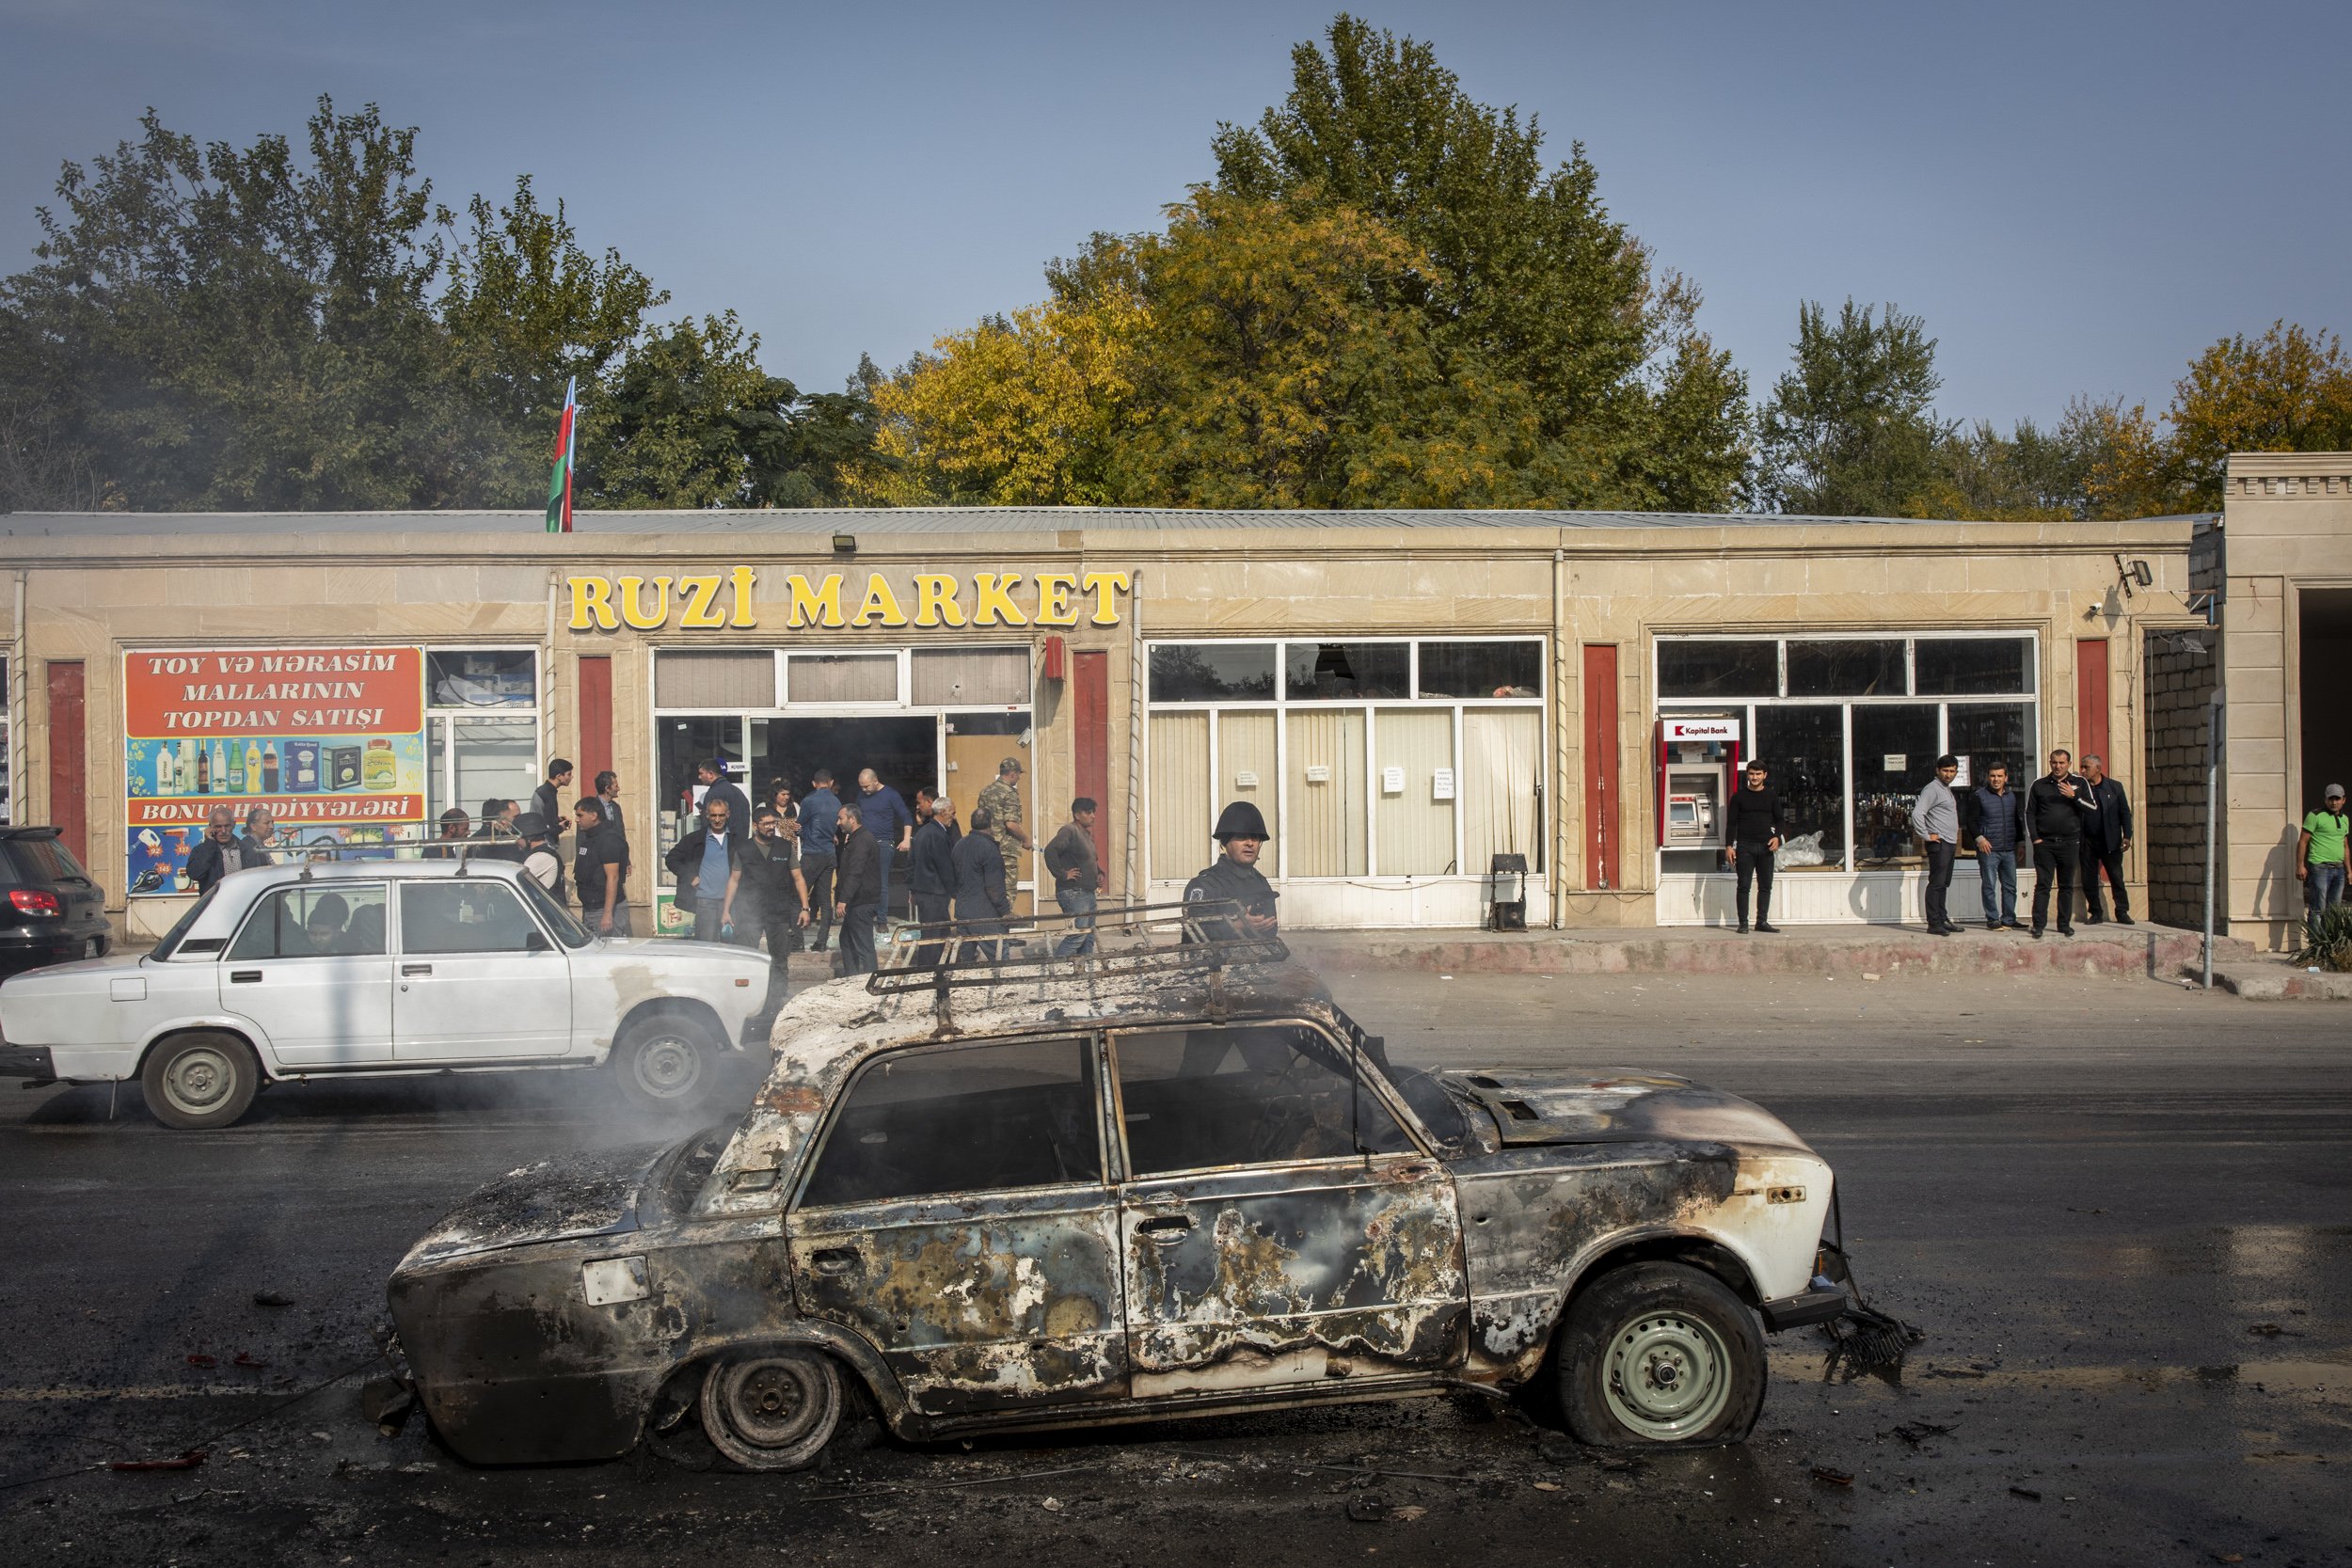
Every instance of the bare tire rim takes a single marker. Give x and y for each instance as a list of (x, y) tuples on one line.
[(667, 1066), (201, 1079), (1667, 1377), (775, 1404)]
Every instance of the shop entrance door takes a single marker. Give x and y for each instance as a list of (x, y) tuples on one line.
[(902, 750), (976, 743)]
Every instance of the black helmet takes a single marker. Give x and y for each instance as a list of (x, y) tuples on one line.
[(530, 825), (1242, 820)]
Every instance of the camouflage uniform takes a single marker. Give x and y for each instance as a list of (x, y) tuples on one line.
[(1002, 801)]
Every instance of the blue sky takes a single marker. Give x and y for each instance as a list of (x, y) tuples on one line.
[(2077, 198)]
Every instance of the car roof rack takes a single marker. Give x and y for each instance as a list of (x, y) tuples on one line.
[(1157, 940)]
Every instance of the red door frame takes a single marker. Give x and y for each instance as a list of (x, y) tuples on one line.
[(1601, 798), (1090, 716), (595, 720), (2091, 702), (69, 758)]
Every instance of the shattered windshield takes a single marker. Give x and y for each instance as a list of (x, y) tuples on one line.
[(679, 1174), (1423, 1089)]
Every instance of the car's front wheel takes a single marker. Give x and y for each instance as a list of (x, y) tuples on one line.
[(665, 1061), (772, 1409), (1660, 1353), (199, 1080)]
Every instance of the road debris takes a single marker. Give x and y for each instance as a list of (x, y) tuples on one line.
[(1831, 1477), (271, 1298), (203, 1361), (1916, 1433), (2025, 1492), (1379, 1510), (1051, 1505), (188, 1460), (386, 1400)]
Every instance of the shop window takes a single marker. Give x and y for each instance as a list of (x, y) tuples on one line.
[(1180, 794), (1717, 669), (1483, 669), (687, 743), (1502, 786), (969, 1119), (1212, 671), (1414, 783), (1257, 1094), (1805, 749), (1958, 666), (471, 760), (1895, 748), (1982, 734), (1326, 780), (1846, 666), (722, 679), (870, 678), (482, 677), (969, 677), (1312, 670)]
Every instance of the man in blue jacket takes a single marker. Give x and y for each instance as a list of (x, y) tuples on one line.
[(820, 812), (1994, 822)]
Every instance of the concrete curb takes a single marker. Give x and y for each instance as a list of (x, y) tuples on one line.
[(2148, 951), (2284, 984)]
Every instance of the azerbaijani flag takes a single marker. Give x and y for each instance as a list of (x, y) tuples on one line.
[(566, 459)]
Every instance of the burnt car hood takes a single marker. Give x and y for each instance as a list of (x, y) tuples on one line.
[(560, 1199), (1570, 1107)]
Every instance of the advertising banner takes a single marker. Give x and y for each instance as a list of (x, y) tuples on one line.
[(330, 740)]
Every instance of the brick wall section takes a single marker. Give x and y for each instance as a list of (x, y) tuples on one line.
[(2172, 811)]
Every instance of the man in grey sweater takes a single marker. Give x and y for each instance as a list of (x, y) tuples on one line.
[(1935, 819)]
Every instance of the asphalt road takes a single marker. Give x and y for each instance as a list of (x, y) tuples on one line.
[(2120, 1212)]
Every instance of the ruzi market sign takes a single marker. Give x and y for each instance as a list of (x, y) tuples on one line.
[(721, 600)]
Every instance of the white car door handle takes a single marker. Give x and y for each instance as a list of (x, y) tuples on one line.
[(245, 976), (410, 970)]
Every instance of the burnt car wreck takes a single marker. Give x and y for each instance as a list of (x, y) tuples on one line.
[(1158, 1181)]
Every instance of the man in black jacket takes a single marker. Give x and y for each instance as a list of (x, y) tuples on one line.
[(712, 774), (857, 890), (1754, 832), (932, 876), (2106, 840), (2058, 807), (981, 902), (219, 852), (1991, 820), (600, 871), (774, 864), (548, 800)]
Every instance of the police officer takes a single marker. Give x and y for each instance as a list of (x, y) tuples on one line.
[(1240, 834)]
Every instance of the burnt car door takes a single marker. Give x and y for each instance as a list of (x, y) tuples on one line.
[(957, 1217), (1278, 1222)]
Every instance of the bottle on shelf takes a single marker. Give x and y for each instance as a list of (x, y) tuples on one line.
[(236, 768), (220, 768), (167, 768), (203, 770), (253, 768), (269, 768), (187, 768)]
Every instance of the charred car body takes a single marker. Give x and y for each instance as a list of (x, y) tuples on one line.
[(1100, 1192)]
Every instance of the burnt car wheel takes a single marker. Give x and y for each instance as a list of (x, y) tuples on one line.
[(1660, 1353), (201, 1081), (772, 1410), (665, 1062)]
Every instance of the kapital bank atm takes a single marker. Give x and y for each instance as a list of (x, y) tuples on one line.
[(1698, 767)]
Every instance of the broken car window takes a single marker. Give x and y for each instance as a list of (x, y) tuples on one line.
[(344, 920), (1253, 1094), (966, 1118)]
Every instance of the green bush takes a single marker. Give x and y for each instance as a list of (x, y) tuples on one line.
[(2331, 943)]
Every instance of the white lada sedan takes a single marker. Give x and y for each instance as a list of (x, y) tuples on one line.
[(299, 972)]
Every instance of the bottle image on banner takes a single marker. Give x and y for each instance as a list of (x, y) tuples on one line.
[(167, 775), (236, 768), (221, 770), (269, 768), (253, 768), (187, 768), (203, 769)]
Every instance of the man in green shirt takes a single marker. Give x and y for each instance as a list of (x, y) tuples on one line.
[(2320, 863)]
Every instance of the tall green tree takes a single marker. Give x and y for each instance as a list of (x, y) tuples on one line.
[(1851, 429)]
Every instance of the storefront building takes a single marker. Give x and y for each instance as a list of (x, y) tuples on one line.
[(1436, 710)]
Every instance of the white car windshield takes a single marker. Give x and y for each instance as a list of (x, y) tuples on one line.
[(568, 931)]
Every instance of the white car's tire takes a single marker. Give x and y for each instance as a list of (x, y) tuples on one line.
[(1660, 1354), (772, 1409), (665, 1061), (201, 1080)]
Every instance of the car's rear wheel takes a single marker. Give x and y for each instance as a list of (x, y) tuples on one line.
[(665, 1061), (772, 1409), (199, 1080), (1660, 1354)]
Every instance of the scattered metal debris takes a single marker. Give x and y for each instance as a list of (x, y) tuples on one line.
[(1916, 1433), (1828, 1477), (188, 1460), (2025, 1492)]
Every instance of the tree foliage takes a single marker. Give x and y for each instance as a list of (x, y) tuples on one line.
[(211, 327)]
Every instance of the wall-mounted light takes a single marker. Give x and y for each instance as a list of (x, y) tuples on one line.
[(845, 544), (2131, 575)]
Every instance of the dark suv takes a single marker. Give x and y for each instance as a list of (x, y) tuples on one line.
[(50, 909)]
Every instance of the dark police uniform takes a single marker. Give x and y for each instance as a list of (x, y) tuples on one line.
[(1229, 879)]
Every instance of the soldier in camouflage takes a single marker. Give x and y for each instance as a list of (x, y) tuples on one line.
[(1002, 800)]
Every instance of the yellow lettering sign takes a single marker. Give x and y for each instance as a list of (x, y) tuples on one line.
[(591, 605), (880, 604), (701, 602), (814, 607), (743, 578), (935, 601), (992, 593), (1054, 608), (633, 610), (1107, 587)]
